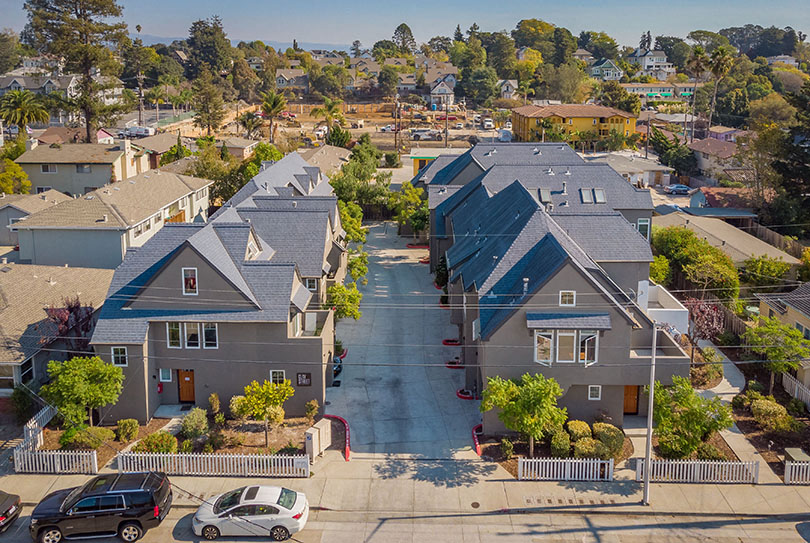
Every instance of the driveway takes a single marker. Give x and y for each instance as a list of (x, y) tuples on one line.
[(395, 392)]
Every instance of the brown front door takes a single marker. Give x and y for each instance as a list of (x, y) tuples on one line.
[(631, 400), (185, 380)]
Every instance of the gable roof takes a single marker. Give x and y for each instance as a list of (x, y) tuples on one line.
[(74, 153), (159, 143), (31, 203), (714, 147), (26, 293), (239, 143), (798, 299), (328, 158), (733, 197), (67, 134), (290, 73), (123, 203)]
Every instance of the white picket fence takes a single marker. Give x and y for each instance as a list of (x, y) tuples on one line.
[(797, 473), (565, 469), (55, 461), (32, 431), (796, 389), (242, 465), (700, 471)]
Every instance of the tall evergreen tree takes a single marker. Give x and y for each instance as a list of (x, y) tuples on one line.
[(794, 162), (85, 33), (208, 47), (208, 103), (403, 37), (458, 35)]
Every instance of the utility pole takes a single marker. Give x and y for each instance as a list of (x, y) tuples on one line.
[(140, 98), (396, 124), (446, 122), (647, 141), (648, 453)]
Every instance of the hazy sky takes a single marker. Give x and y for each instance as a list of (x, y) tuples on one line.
[(342, 22)]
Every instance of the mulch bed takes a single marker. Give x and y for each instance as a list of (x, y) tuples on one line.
[(248, 437), (109, 449), (700, 378), (771, 447)]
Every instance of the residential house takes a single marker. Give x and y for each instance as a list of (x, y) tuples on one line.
[(293, 63), (528, 121), (791, 308), (507, 89), (48, 64), (66, 134), (67, 86), (713, 156), (366, 65), (730, 197), (15, 207), (738, 244), (726, 133), (318, 54), (156, 146), (783, 59), (207, 308), (97, 229), (606, 70), (256, 63), (240, 148), (329, 61), (541, 290), (583, 55), (328, 158), (399, 62), (639, 171), (78, 168), (656, 90), (422, 156), (30, 338), (406, 83), (652, 63), (181, 56), (442, 93), (293, 79), (447, 73)]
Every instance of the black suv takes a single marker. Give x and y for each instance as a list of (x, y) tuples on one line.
[(125, 504)]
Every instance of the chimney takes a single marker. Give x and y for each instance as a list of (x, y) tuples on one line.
[(549, 207), (126, 146), (104, 218), (525, 285), (4, 260), (31, 144), (42, 196)]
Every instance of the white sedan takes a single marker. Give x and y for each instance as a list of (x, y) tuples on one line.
[(258, 511)]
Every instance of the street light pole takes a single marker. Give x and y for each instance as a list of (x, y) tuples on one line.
[(396, 124), (648, 453), (446, 120)]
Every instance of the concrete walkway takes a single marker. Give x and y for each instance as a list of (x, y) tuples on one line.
[(732, 384)]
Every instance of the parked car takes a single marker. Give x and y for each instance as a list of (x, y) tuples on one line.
[(448, 118), (256, 511), (136, 132), (337, 366), (388, 128), (459, 126), (320, 132), (125, 504), (13, 130), (677, 189), (477, 119), (9, 510), (488, 124)]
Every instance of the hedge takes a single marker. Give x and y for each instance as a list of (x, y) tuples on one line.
[(159, 442), (578, 429)]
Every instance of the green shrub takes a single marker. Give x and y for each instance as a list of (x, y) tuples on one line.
[(83, 437), (237, 407), (195, 424), (755, 386), (739, 401), (217, 440), (660, 270), (311, 410), (578, 429), (159, 442), (727, 338), (773, 417), (796, 407), (213, 403), (560, 444), (507, 448), (127, 430), (610, 436), (392, 160), (707, 451), (673, 445), (219, 420), (186, 446), (587, 447), (22, 404), (208, 448)]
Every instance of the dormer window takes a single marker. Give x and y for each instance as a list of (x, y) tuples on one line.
[(568, 298), (189, 281), (252, 251)]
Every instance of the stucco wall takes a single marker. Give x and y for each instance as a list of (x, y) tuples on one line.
[(66, 179), (90, 248), (7, 237)]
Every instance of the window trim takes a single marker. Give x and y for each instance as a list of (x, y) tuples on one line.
[(113, 356), (196, 282), (179, 335), (297, 326), (595, 334), (566, 333), (80, 168), (216, 335), (549, 334), (644, 221), (49, 172), (560, 300), (160, 375), (185, 335), (283, 375), (595, 387), (315, 284)]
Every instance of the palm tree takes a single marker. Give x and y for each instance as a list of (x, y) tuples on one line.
[(330, 111), (273, 103), (251, 123), (186, 96), (155, 96), (698, 64), (525, 90), (166, 80), (23, 107), (719, 65)]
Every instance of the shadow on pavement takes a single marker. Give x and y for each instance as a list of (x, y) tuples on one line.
[(444, 473)]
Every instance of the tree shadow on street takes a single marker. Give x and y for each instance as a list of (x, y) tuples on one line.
[(441, 473)]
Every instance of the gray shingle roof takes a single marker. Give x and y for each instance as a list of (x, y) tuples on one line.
[(607, 237), (569, 321), (798, 299)]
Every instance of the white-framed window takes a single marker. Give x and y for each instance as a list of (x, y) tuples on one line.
[(27, 371), (40, 190), (189, 281), (138, 230), (83, 168), (594, 392), (543, 346), (568, 298), (173, 339), (296, 324), (12, 221), (277, 376), (644, 227), (252, 251), (588, 347), (210, 339), (312, 285), (157, 218), (192, 335), (476, 329), (566, 347), (119, 356), (47, 168), (165, 375)]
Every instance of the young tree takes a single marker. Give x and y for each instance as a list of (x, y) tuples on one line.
[(405, 202), (458, 35), (86, 34), (21, 108), (273, 103), (612, 94), (684, 419), (265, 402), (781, 345), (705, 322), (528, 405), (764, 270), (351, 218), (13, 179), (251, 122), (794, 159), (208, 104), (345, 300), (338, 137), (81, 384), (358, 264)]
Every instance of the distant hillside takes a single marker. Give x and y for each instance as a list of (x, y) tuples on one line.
[(149, 39)]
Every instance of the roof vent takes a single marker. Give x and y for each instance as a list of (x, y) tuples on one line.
[(41, 196), (4, 260), (104, 218), (116, 188), (494, 258), (89, 197), (564, 204), (525, 285), (550, 171), (565, 186), (549, 207), (568, 171), (536, 151), (295, 204)]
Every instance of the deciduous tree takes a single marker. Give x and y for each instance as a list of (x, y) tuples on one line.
[(345, 300), (782, 346), (265, 402), (13, 179), (81, 384)]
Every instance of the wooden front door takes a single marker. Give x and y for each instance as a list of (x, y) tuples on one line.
[(631, 400), (185, 379)]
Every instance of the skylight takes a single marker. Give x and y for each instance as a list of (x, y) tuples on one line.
[(545, 196), (599, 196), (586, 195)]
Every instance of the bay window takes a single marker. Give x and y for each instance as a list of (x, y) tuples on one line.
[(566, 346)]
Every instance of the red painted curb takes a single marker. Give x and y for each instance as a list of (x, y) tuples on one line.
[(424, 261), (347, 451), (444, 306), (451, 342), (343, 354), (475, 431), (453, 365), (463, 396), (437, 286), (417, 246)]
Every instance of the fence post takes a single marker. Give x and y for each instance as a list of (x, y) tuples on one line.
[(94, 462), (610, 470), (756, 472), (520, 469)]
